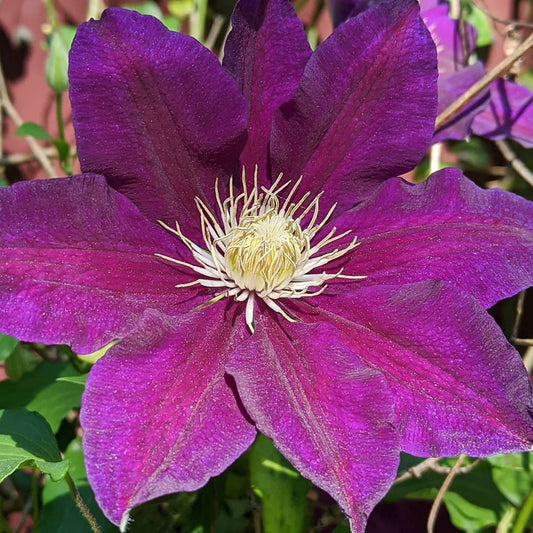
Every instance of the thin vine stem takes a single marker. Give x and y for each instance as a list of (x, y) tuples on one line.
[(523, 515), (484, 82), (84, 510), (12, 113), (59, 116), (35, 498), (442, 491)]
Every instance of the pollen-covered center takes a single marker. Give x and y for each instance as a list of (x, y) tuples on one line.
[(262, 244), (264, 251)]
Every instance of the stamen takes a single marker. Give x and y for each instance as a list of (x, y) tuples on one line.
[(250, 312), (256, 247)]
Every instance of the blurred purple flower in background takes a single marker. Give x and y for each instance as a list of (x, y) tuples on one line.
[(319, 300), (503, 110)]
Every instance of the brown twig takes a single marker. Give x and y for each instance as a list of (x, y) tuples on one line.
[(519, 313), (442, 491), (10, 160), (523, 342), (514, 161), (455, 9), (12, 113), (447, 469), (417, 470), (214, 32), (431, 464), (507, 22), (484, 82)]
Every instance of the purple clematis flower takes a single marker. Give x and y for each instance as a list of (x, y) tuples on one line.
[(318, 299), (503, 110)]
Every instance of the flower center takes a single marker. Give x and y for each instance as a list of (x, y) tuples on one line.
[(263, 253), (258, 246)]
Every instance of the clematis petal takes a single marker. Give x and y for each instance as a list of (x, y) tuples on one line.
[(510, 114), (158, 415), (459, 386), (153, 111), (451, 86), (324, 410), (374, 77), (455, 44), (266, 53), (446, 228), (77, 263)]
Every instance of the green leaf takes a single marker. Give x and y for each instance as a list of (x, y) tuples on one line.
[(473, 15), (473, 499), (63, 149), (281, 489), (78, 380), (172, 23), (19, 362), (512, 476), (526, 78), (341, 529), (40, 390), (26, 440), (146, 8), (59, 513), (30, 129), (7, 345), (469, 517), (474, 153), (180, 9)]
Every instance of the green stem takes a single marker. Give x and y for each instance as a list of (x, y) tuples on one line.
[(524, 514), (51, 13), (35, 498), (59, 116), (197, 20), (84, 510), (4, 526), (64, 156)]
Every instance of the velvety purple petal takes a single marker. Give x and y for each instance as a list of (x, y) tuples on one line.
[(365, 108), (154, 112), (446, 228), (459, 386), (77, 263), (509, 114), (454, 44), (158, 415), (451, 86), (266, 53), (327, 413)]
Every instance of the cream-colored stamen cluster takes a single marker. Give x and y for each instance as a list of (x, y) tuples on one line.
[(258, 248)]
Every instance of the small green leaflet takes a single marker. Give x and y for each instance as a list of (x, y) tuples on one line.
[(59, 513), (7, 345), (30, 129), (40, 390), (26, 440)]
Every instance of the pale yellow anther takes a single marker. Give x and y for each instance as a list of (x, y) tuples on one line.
[(257, 247), (263, 253)]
